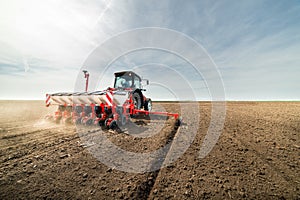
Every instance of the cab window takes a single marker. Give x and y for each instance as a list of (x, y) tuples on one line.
[(123, 82), (137, 82)]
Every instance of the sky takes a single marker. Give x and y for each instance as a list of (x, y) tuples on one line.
[(253, 45)]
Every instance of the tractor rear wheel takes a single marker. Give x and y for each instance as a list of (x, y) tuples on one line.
[(137, 100)]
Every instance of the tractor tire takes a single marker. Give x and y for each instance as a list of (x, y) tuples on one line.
[(101, 123), (113, 125), (178, 122), (137, 100), (148, 105)]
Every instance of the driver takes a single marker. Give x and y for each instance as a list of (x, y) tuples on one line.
[(126, 84)]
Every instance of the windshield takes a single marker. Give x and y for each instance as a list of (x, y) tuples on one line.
[(123, 82)]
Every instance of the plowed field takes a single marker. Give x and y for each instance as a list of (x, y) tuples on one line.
[(256, 157)]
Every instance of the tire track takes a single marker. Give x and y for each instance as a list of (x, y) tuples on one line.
[(144, 189)]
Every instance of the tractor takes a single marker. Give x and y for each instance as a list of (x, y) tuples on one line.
[(110, 108)]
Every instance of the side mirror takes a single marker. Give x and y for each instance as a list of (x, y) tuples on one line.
[(145, 82)]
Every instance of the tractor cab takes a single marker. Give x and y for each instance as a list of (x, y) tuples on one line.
[(127, 80)]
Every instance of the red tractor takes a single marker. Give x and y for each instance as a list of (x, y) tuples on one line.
[(111, 107), (130, 82)]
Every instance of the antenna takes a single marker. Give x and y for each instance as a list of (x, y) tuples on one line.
[(86, 76)]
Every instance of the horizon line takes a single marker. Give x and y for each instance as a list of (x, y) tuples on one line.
[(200, 100)]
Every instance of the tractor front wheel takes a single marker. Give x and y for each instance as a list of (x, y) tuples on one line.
[(148, 105)]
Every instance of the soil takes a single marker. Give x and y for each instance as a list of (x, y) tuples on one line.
[(256, 156)]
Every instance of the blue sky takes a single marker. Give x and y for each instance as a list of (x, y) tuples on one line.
[(254, 44)]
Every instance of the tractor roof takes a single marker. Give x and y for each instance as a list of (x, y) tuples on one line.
[(130, 73)]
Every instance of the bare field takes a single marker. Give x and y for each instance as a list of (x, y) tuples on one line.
[(256, 157)]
